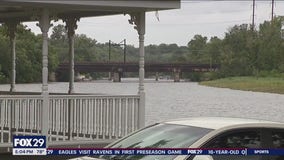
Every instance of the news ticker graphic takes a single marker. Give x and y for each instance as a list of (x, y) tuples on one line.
[(29, 145), (164, 151), (36, 145)]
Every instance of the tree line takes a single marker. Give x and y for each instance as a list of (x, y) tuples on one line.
[(244, 51)]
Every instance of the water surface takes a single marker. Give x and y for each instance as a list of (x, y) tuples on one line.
[(168, 100)]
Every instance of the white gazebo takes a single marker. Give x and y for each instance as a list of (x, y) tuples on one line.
[(72, 118)]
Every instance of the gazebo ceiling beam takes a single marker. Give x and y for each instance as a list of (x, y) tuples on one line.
[(148, 5), (26, 10), (85, 14), (31, 16)]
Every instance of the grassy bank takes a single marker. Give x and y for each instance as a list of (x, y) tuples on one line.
[(261, 84)]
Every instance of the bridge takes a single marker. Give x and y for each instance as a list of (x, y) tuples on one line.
[(118, 68)]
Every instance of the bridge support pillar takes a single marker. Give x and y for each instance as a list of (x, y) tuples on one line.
[(177, 74), (157, 76), (116, 77), (71, 26), (109, 76), (12, 27)]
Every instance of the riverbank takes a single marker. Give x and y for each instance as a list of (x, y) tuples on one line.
[(261, 84)]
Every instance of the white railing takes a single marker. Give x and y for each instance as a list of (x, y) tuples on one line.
[(19, 115), (71, 117), (92, 117)]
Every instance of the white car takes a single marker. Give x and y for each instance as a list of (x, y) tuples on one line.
[(206, 132)]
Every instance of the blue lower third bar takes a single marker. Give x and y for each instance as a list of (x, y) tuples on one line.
[(162, 151)]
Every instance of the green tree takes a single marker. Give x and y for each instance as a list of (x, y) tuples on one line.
[(5, 57), (59, 33), (197, 47), (213, 49), (270, 52), (237, 51), (28, 55), (84, 49)]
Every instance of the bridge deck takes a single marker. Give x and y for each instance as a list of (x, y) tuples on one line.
[(134, 67)]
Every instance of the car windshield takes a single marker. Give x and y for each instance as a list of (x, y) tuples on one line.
[(159, 136)]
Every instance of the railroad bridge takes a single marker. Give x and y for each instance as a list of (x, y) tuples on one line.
[(118, 68)]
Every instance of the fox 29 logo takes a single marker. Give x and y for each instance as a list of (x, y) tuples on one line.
[(29, 142)]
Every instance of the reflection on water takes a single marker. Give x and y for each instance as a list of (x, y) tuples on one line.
[(168, 100)]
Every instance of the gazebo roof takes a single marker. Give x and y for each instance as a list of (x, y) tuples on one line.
[(28, 10)]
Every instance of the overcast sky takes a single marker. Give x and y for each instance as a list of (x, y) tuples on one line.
[(177, 26)]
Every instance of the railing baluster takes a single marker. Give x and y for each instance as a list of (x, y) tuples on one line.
[(1, 123), (137, 114), (107, 117), (120, 118), (70, 119), (89, 112), (126, 116), (32, 115), (52, 118), (16, 118), (84, 117), (40, 113), (117, 118), (38, 102), (122, 107), (64, 111), (96, 119), (75, 114), (21, 116), (101, 118), (35, 116), (2, 107), (28, 118), (5, 114), (82, 124), (74, 117), (113, 117), (132, 115), (24, 111), (78, 117), (91, 120), (57, 120), (59, 108), (10, 134)]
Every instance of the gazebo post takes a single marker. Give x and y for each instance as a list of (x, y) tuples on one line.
[(12, 27), (71, 26), (44, 25), (138, 19), (141, 32)]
